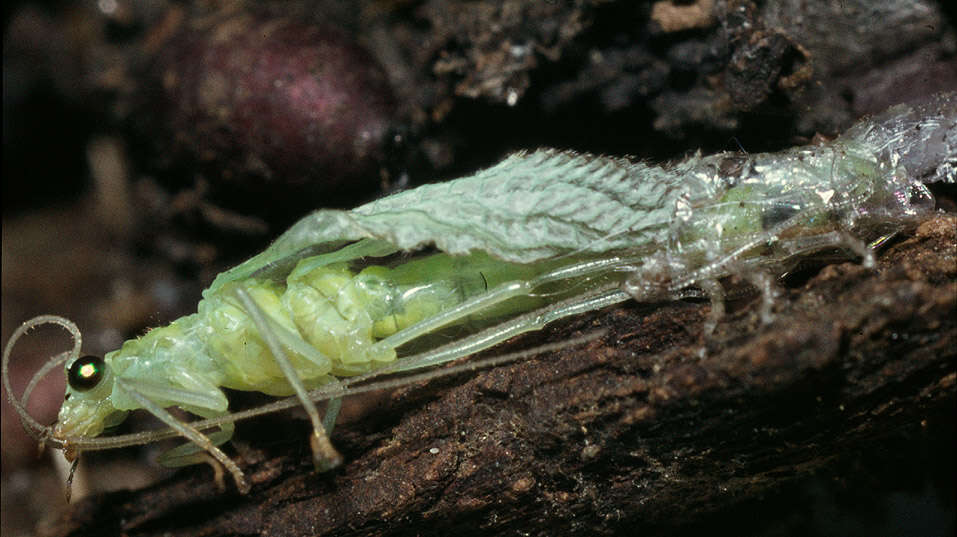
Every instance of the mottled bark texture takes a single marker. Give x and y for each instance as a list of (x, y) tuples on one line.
[(653, 426), (648, 429)]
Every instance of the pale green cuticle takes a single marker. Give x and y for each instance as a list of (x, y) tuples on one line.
[(544, 229)]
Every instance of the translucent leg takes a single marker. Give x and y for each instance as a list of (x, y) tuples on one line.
[(332, 414), (187, 431), (715, 292), (859, 247), (769, 292), (500, 294), (758, 278), (324, 455), (200, 398), (190, 453), (535, 320)]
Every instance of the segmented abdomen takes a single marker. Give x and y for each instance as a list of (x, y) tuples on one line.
[(337, 314)]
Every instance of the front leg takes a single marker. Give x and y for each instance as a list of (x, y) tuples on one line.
[(146, 396), (190, 453)]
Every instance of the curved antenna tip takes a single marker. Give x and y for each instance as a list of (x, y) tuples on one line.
[(37, 430)]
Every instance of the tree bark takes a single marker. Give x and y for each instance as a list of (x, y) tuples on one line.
[(654, 427), (651, 427)]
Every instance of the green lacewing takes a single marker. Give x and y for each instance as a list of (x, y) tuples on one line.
[(542, 235)]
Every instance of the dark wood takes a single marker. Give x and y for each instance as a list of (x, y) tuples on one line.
[(651, 427)]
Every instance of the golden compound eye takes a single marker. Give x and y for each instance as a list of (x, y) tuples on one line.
[(86, 372)]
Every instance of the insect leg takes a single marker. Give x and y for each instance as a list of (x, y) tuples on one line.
[(193, 394), (536, 320), (190, 453), (804, 246), (187, 431), (857, 246), (332, 414), (761, 280), (715, 292), (324, 454), (499, 294), (769, 291)]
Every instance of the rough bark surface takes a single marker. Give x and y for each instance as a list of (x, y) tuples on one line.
[(652, 427), (636, 430)]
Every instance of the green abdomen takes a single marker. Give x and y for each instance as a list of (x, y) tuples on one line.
[(341, 313), (336, 308)]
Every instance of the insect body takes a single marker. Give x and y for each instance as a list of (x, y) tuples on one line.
[(540, 236)]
